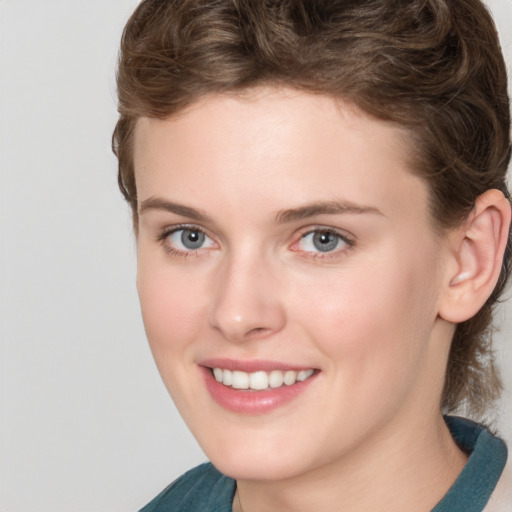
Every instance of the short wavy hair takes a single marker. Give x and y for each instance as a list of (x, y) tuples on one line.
[(434, 67)]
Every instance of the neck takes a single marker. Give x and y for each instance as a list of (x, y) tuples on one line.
[(397, 470)]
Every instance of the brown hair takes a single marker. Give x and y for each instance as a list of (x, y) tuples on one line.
[(433, 66)]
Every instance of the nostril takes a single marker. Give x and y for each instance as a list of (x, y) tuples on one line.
[(241, 311), (257, 331)]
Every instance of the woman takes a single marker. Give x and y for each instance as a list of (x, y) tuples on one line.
[(323, 226)]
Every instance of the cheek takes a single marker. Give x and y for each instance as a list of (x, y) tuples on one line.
[(171, 308), (171, 312), (373, 325)]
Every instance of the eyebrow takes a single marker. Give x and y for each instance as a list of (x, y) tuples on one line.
[(324, 208), (283, 216), (157, 203)]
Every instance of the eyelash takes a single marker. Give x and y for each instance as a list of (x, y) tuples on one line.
[(313, 255), (325, 256), (167, 232)]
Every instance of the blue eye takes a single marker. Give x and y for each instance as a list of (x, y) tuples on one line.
[(323, 240), (189, 239)]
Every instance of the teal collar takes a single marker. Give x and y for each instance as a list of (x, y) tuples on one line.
[(487, 457)]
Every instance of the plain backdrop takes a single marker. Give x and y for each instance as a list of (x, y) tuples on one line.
[(85, 423)]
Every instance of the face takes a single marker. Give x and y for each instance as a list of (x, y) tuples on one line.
[(289, 276)]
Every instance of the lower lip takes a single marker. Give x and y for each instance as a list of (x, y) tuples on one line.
[(253, 402)]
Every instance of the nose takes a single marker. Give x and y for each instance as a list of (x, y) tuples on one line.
[(247, 301)]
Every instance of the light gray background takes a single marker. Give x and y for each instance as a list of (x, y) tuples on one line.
[(85, 423)]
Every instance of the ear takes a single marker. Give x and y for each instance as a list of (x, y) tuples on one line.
[(477, 249)]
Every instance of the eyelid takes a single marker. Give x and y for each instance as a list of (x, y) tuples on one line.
[(164, 234), (348, 239), (342, 233)]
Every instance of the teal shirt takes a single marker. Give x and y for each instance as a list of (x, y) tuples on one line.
[(204, 489)]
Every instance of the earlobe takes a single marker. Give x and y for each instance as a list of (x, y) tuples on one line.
[(478, 248)]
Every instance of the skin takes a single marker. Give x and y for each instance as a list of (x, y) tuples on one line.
[(368, 433)]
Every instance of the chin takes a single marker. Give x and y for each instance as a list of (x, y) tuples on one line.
[(267, 456), (262, 468)]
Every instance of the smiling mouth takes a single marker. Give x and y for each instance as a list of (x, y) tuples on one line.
[(260, 380)]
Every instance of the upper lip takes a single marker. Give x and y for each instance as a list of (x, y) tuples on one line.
[(250, 366)]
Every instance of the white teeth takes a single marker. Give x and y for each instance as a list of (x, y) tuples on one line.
[(290, 377), (276, 378), (260, 380), (304, 374), (227, 377), (240, 380)]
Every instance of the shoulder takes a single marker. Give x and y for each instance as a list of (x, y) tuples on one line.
[(478, 480), (202, 489)]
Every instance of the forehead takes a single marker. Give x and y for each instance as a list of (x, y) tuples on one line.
[(275, 146), (270, 118)]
